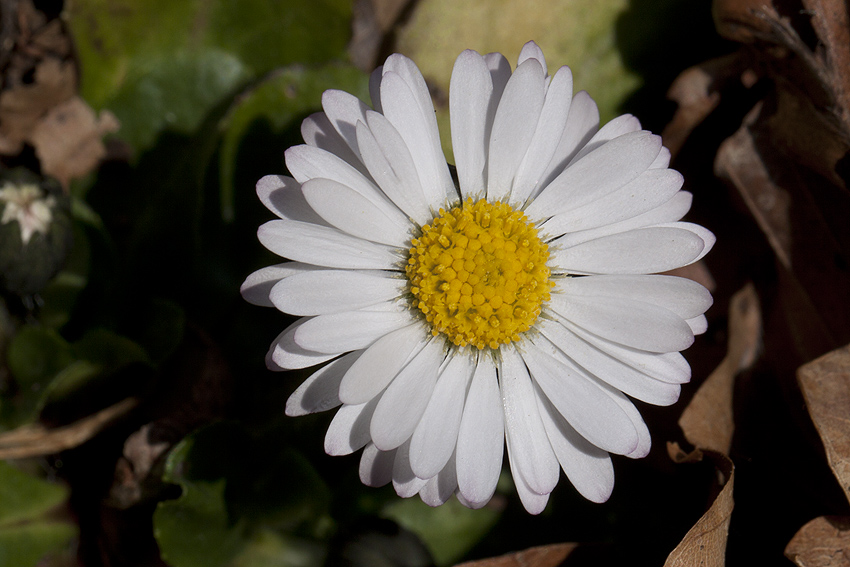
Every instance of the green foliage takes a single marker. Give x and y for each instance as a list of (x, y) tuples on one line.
[(241, 504), (26, 533)]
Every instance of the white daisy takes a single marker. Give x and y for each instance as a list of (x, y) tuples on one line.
[(512, 307)]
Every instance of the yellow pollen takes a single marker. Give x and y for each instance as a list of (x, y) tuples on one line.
[(478, 274)]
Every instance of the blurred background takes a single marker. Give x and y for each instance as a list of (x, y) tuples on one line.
[(138, 423)]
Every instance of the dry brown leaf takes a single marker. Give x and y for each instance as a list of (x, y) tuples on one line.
[(543, 556), (707, 421), (705, 543), (823, 542), (825, 384), (68, 141)]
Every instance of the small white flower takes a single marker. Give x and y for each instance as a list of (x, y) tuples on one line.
[(514, 308), (26, 204)]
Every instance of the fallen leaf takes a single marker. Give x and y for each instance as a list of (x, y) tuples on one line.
[(543, 556), (823, 542), (705, 543), (707, 421), (825, 384), (68, 140)]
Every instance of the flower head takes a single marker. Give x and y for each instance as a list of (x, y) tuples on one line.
[(26, 204), (518, 306)]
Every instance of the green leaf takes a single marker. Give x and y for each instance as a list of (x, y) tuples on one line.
[(160, 65), (25, 535), (284, 97), (270, 549), (449, 531)]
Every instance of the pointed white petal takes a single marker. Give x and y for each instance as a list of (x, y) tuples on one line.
[(582, 124), (320, 391), (376, 466), (418, 129), (682, 296), (470, 95), (351, 330), (344, 110), (257, 287), (392, 167), (318, 131), (405, 483), (324, 246), (513, 127), (318, 292), (380, 363), (481, 444), (435, 437), (440, 487), (284, 354), (533, 502), (532, 51), (588, 467), (349, 429), (405, 399), (282, 196), (353, 213), (581, 399), (609, 167), (641, 251), (649, 190), (532, 453), (609, 369), (550, 128), (632, 323)]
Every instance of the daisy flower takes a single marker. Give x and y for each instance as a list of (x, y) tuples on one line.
[(510, 302)]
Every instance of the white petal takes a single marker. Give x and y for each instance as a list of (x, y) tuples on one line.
[(418, 128), (682, 296), (284, 354), (349, 429), (698, 324), (405, 399), (318, 131), (641, 251), (481, 445), (533, 502), (353, 213), (644, 439), (668, 367), (532, 453), (257, 287), (623, 124), (671, 211), (500, 73), (550, 128), (649, 190), (609, 369), (470, 95), (662, 161), (405, 483), (632, 323), (344, 110), (324, 246), (320, 391), (582, 124), (532, 51), (392, 167), (581, 399), (380, 363), (435, 437), (318, 292), (376, 466), (440, 487), (588, 467), (513, 127), (597, 173), (351, 330), (282, 196)]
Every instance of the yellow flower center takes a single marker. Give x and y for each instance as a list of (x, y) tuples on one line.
[(478, 273)]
